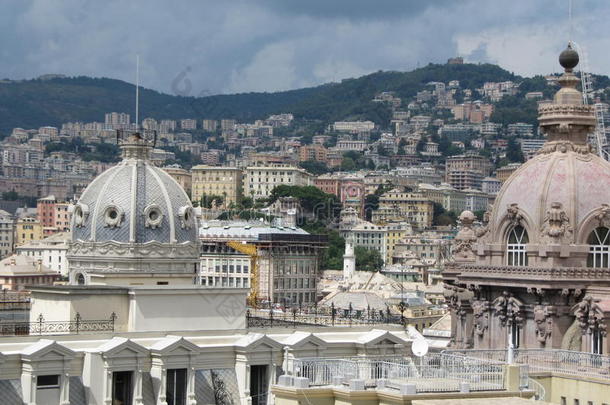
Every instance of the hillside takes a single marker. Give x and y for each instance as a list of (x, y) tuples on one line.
[(34, 103)]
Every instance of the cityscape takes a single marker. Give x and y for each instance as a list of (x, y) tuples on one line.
[(434, 235)]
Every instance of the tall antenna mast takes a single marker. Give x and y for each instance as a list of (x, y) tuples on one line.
[(137, 92), (570, 19)]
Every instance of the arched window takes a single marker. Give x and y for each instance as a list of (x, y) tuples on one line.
[(515, 248), (599, 247), (80, 279)]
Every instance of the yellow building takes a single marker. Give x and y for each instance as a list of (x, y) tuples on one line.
[(217, 180), (26, 230), (182, 176), (394, 233), (396, 205)]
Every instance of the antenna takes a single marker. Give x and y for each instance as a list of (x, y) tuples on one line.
[(137, 92), (570, 19)]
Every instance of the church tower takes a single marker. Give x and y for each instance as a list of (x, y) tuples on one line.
[(349, 261)]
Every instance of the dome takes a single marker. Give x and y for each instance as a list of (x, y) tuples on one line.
[(133, 225), (134, 202), (558, 181)]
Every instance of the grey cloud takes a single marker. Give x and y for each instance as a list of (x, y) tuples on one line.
[(267, 45)]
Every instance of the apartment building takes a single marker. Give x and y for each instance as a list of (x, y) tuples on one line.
[(397, 205), (259, 181), (182, 176), (27, 229), (217, 180), (7, 229), (288, 260), (50, 250), (54, 215)]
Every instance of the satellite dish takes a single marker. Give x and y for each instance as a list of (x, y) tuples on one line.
[(419, 347)]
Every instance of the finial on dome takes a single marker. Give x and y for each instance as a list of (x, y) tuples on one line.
[(568, 59)]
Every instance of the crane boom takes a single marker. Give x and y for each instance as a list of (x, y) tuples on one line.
[(600, 139), (250, 250)]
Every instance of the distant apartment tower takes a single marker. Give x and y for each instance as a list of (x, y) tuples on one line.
[(316, 153), (520, 129), (209, 125), (261, 180), (115, 120), (53, 215), (7, 229), (49, 131), (227, 124), (183, 177), (218, 181), (353, 126), (167, 126), (188, 124), (150, 124), (530, 147), (467, 170)]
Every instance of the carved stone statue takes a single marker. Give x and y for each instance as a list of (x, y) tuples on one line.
[(603, 215), (480, 310), (589, 316), (543, 317), (463, 247), (508, 309), (556, 226), (513, 214)]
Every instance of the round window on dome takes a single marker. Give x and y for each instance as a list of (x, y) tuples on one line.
[(186, 217), (81, 212), (153, 217), (113, 216)]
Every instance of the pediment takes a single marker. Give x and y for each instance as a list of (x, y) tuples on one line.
[(380, 338), (46, 350), (300, 340), (174, 346), (259, 342), (122, 347)]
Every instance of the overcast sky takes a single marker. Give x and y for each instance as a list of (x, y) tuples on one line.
[(227, 46)]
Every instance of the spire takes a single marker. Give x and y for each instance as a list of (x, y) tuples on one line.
[(567, 121)]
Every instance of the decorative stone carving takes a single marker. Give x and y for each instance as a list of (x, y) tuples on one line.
[(153, 217), (563, 147), (482, 231), (590, 316), (513, 214), (186, 216), (480, 309), (543, 317), (81, 213), (602, 215), (556, 226), (508, 309), (463, 246), (113, 216)]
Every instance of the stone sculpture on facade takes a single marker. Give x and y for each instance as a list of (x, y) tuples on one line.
[(543, 317), (465, 239), (589, 316), (556, 226), (508, 309)]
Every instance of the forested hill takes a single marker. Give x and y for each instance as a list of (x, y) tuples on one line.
[(38, 102)]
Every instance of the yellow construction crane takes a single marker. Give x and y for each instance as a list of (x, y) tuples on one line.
[(250, 250)]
